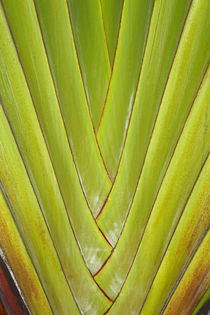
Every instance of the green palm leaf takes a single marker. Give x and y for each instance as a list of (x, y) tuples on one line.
[(104, 166)]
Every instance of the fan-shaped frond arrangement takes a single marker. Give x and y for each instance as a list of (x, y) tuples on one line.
[(104, 166)]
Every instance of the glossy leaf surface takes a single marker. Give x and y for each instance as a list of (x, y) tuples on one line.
[(45, 103), (184, 168), (135, 21), (187, 237), (114, 213), (111, 15), (104, 166), (194, 283), (17, 256), (70, 90), (90, 41), (36, 234)]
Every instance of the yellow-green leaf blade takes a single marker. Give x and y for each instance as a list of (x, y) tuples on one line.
[(92, 52), (25, 29), (31, 224), (25, 274), (193, 284), (177, 185), (111, 14), (190, 231), (17, 102), (37, 230), (132, 37), (186, 74), (71, 95), (137, 219)]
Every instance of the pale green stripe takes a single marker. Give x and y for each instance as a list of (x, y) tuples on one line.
[(184, 168), (92, 52), (25, 29), (132, 37), (194, 283), (30, 222), (25, 274), (111, 13), (19, 108), (140, 210), (192, 226), (60, 48), (187, 71)]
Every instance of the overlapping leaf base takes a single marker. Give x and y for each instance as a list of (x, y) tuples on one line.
[(104, 166)]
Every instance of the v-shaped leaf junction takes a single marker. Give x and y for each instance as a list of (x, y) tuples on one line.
[(104, 141)]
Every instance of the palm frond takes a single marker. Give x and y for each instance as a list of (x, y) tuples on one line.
[(104, 155)]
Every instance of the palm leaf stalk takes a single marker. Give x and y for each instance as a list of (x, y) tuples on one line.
[(104, 155)]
